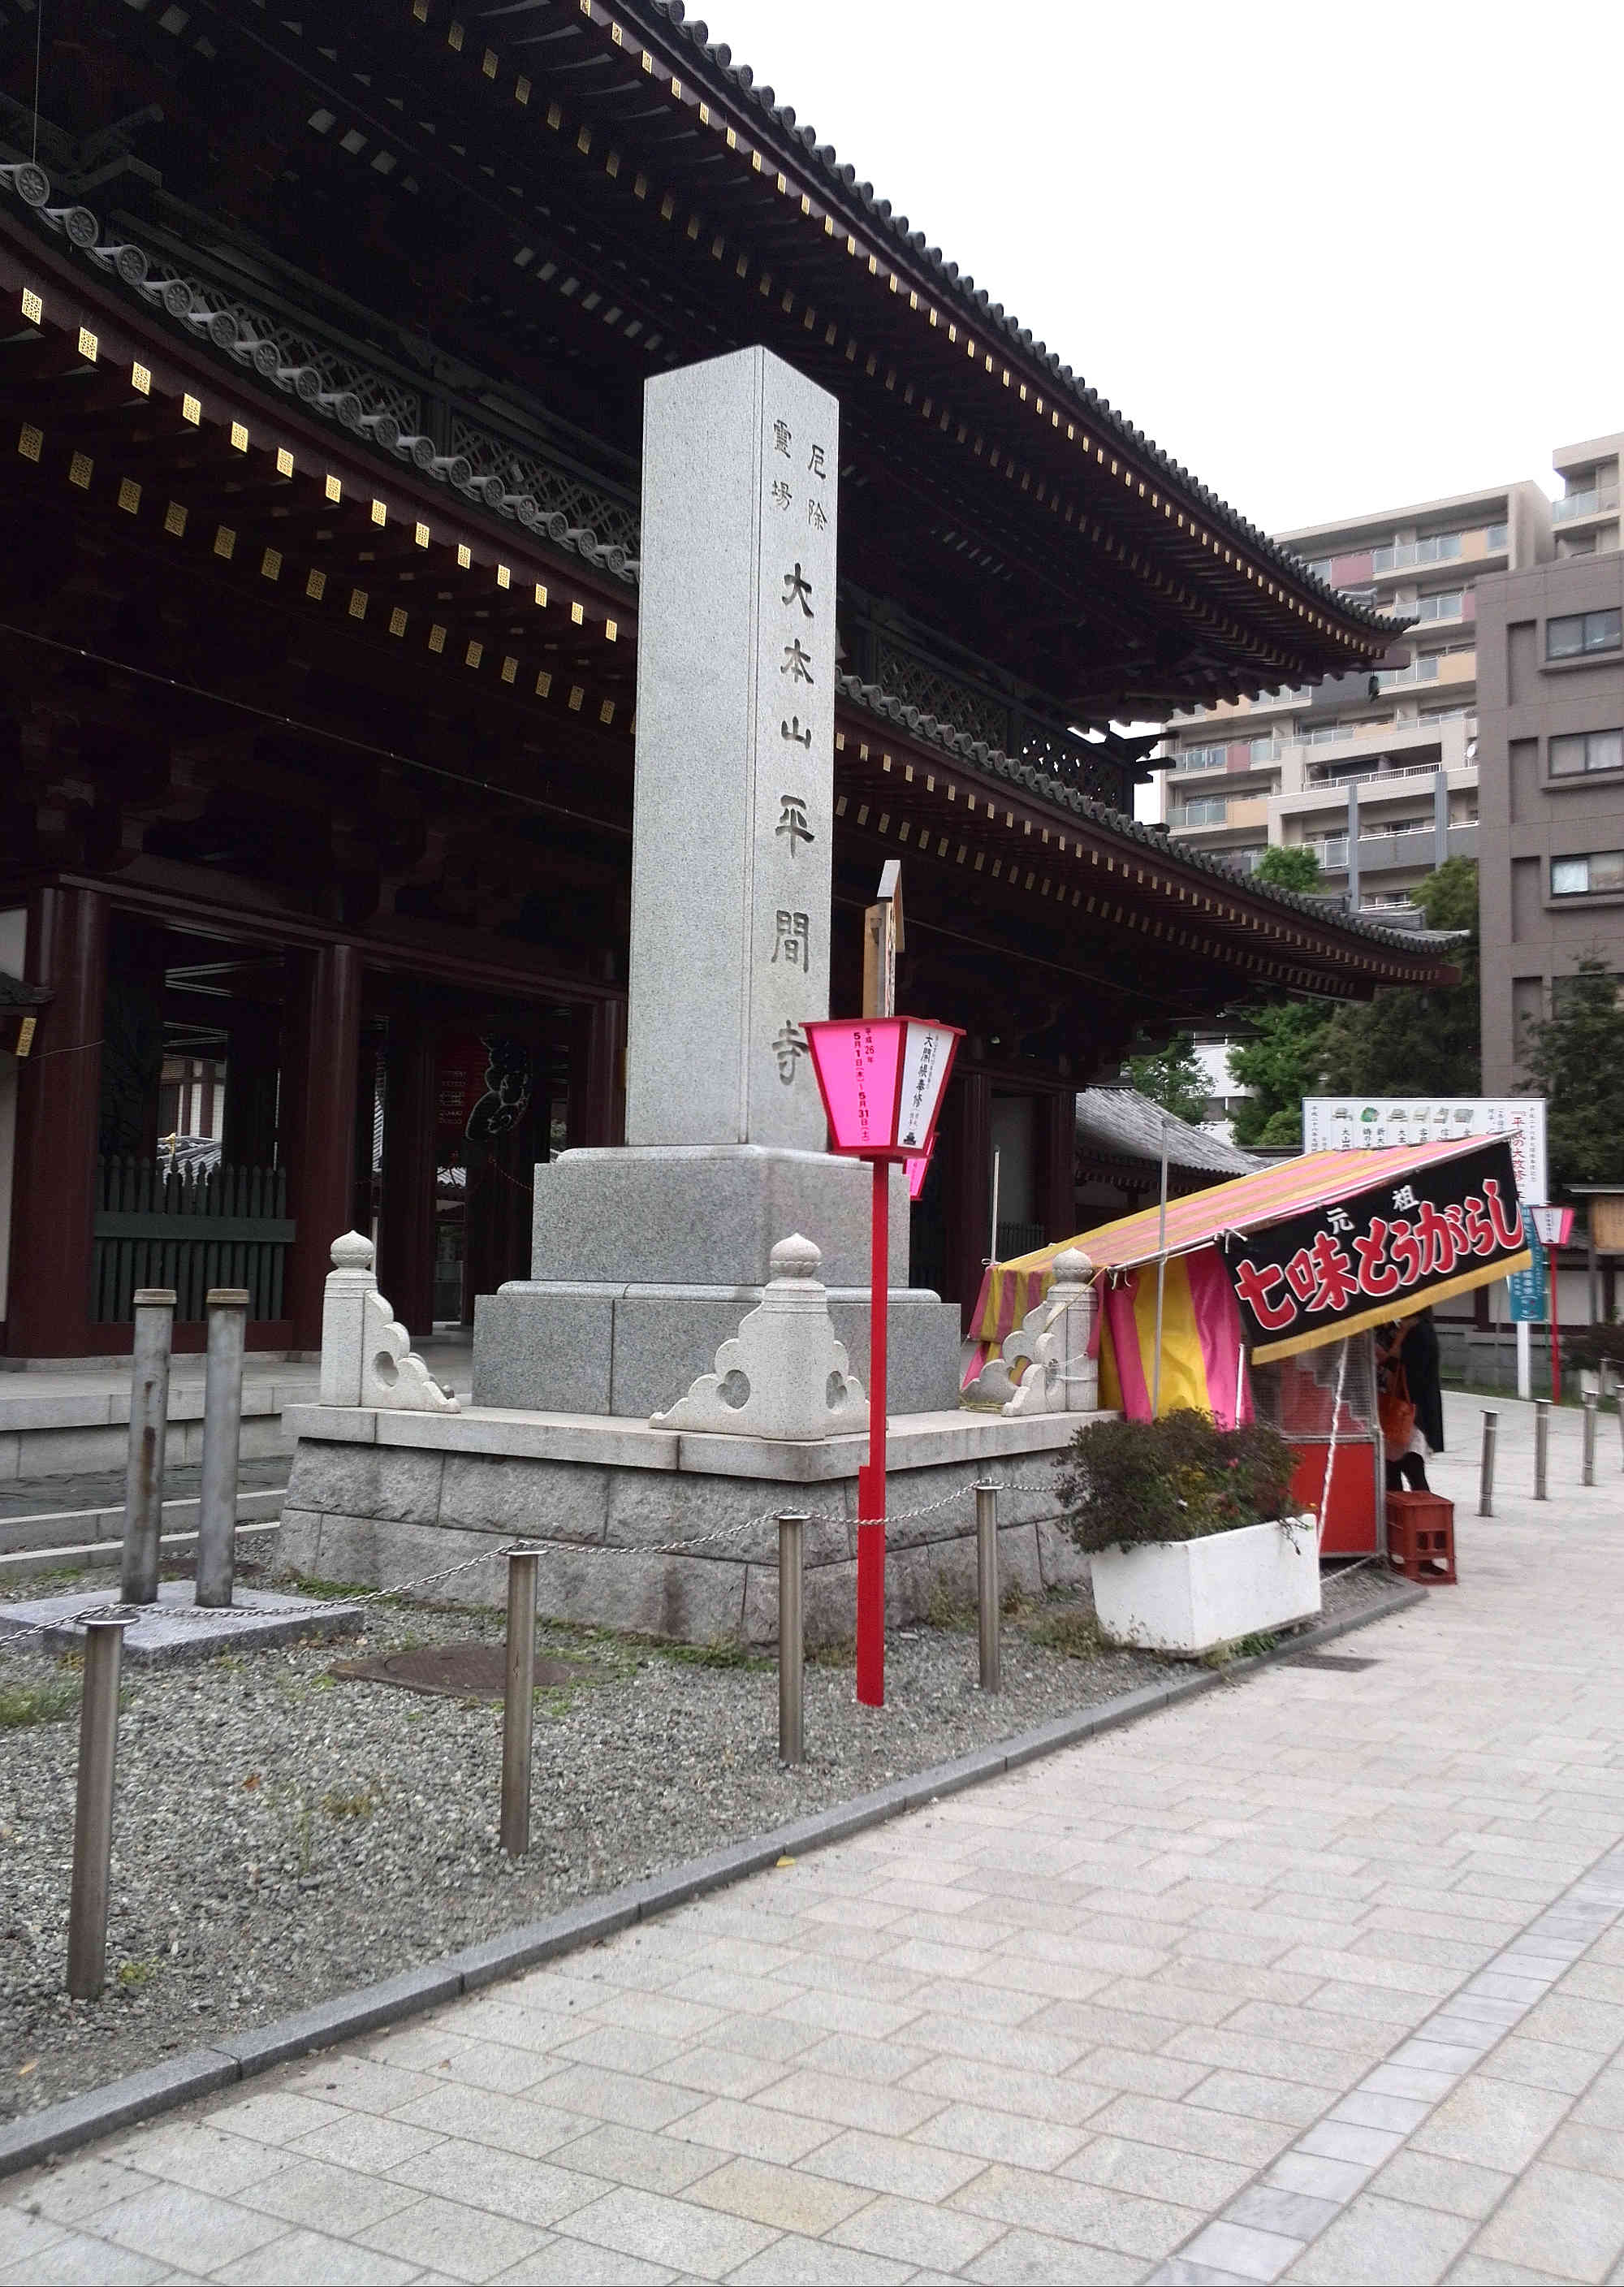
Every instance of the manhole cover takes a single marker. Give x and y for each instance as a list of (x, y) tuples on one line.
[(1340, 1662), (460, 1671)]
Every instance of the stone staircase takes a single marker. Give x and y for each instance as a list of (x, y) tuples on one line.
[(73, 1523)]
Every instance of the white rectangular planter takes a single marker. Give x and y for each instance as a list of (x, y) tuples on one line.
[(1193, 1595)]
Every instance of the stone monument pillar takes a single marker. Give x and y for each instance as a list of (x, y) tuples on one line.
[(645, 1258), (734, 823)]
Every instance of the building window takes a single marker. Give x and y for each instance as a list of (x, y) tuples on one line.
[(1447, 604), (1212, 811), (1589, 876), (1496, 538), (1583, 631), (1586, 750), (1203, 758)]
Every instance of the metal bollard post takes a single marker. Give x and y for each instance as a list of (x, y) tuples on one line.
[(87, 1910), (1485, 1477), (217, 1513), (149, 1414), (1587, 1449), (1541, 1445), (791, 1640), (519, 1703), (986, 1587)]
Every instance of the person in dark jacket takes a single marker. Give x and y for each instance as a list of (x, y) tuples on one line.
[(1412, 1345)]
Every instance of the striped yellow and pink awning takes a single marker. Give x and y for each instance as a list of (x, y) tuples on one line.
[(1202, 1219)]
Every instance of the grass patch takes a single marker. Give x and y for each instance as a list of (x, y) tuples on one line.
[(1243, 1648), (358, 1802), (946, 1607), (52, 1700), (309, 1583), (1070, 1629), (721, 1651), (132, 1975), (838, 1652)]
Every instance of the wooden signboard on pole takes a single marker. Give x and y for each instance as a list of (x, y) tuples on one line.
[(882, 941)]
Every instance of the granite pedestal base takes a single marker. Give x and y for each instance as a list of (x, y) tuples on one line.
[(635, 1350), (379, 1496), (645, 1260)]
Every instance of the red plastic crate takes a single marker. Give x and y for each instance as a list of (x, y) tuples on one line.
[(1421, 1537)]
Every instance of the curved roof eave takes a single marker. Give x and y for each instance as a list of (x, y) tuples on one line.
[(1046, 788), (977, 306)]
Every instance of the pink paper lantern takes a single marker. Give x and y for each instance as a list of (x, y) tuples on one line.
[(882, 1081), (918, 1169)]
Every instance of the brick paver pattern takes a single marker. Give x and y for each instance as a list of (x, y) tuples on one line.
[(1320, 1978)]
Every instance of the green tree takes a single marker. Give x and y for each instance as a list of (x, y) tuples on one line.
[(1171, 1076), (1449, 897), (1290, 866), (1418, 1037), (1576, 1059), (1279, 1064)]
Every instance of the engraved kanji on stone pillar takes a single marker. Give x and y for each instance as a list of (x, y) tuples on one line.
[(735, 777)]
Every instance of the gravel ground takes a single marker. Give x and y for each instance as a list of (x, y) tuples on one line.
[(281, 1835)]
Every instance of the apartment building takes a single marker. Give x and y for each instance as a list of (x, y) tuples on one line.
[(1551, 757), (1379, 773)]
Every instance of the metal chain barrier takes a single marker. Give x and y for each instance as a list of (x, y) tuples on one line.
[(102, 1622), (217, 1615)]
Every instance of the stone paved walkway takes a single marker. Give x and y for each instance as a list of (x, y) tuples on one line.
[(1320, 1979)]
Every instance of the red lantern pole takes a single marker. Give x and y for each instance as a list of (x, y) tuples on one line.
[(881, 1080), (871, 1476), (1556, 1331)]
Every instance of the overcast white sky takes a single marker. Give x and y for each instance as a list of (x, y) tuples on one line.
[(1328, 257)]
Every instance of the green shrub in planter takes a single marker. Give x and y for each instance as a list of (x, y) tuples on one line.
[(1123, 1484)]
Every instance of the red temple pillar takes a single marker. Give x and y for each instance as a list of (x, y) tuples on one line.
[(597, 1074), (59, 1104), (406, 1221), (966, 1184), (324, 1034), (1057, 1146)]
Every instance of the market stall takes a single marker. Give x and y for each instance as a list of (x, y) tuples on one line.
[(1258, 1298)]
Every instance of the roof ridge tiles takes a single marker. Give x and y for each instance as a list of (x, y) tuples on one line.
[(475, 494), (1060, 795)]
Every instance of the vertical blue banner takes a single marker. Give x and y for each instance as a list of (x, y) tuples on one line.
[(1528, 1289)]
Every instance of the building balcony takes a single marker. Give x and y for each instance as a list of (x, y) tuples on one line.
[(1376, 786), (1220, 814), (1596, 500), (1333, 758), (1414, 849), (1233, 756), (1441, 547)]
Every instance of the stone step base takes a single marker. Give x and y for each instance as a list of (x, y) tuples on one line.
[(106, 1555), (58, 1528)]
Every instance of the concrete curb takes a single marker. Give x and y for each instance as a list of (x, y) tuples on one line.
[(161, 2088)]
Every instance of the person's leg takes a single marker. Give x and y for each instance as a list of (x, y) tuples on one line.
[(1413, 1468)]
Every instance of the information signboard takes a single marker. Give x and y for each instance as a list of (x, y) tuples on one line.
[(1370, 1123)]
